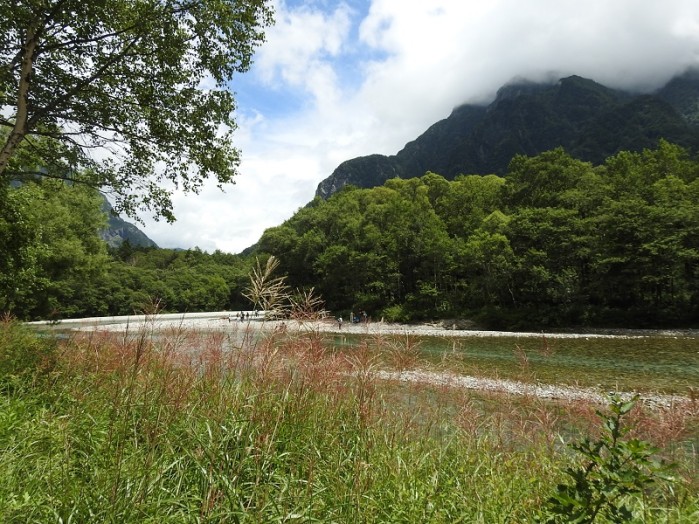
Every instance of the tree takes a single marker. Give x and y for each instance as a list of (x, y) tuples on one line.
[(128, 93), (489, 261), (17, 262), (469, 201), (51, 247), (543, 180)]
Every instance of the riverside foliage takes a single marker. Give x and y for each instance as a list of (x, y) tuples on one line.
[(556, 241)]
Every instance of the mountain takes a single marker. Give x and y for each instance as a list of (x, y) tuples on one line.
[(589, 120), (119, 230), (682, 93)]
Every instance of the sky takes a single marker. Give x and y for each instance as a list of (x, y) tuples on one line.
[(340, 79)]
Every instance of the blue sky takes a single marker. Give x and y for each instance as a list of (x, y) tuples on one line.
[(273, 88), (340, 79)]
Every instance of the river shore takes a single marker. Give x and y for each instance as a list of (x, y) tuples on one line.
[(231, 322)]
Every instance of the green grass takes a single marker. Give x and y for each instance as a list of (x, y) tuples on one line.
[(183, 428)]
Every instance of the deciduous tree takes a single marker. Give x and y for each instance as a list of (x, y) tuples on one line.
[(131, 94)]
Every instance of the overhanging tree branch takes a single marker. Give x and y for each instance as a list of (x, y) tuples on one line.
[(126, 72)]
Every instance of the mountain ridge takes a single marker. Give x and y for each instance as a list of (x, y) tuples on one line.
[(119, 230), (591, 121)]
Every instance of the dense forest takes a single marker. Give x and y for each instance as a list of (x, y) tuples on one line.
[(55, 264), (555, 242)]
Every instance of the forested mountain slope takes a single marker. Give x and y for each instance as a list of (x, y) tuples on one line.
[(555, 241), (588, 119), (119, 231)]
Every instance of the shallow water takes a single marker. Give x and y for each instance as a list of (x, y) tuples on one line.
[(650, 363)]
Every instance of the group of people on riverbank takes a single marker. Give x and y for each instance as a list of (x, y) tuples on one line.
[(242, 316), (360, 317)]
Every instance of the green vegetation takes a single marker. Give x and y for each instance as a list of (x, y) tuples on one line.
[(51, 251), (615, 469), (124, 78), (137, 429), (556, 242), (55, 265), (178, 281)]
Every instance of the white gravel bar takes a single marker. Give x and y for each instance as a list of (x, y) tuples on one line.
[(226, 320)]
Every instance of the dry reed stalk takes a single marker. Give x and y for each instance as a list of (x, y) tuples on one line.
[(470, 418), (403, 351), (526, 374), (662, 426), (548, 346), (362, 364), (306, 306), (267, 292), (320, 369)]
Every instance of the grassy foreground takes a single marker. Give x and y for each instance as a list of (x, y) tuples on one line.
[(187, 428)]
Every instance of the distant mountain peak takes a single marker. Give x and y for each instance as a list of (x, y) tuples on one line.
[(682, 92), (119, 230), (519, 87)]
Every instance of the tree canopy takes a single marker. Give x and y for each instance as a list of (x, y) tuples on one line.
[(557, 241), (50, 246), (125, 95)]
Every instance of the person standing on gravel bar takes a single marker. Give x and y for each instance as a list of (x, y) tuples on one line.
[(339, 322)]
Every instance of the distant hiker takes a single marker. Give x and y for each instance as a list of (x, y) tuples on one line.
[(339, 322)]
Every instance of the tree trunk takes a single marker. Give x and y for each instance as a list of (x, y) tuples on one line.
[(20, 130)]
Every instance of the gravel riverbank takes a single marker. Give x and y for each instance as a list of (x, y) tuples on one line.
[(225, 320)]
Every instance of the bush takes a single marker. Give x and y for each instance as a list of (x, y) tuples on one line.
[(24, 354), (614, 471), (395, 313)]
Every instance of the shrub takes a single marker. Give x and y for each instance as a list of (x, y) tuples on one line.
[(613, 472), (395, 313), (23, 353)]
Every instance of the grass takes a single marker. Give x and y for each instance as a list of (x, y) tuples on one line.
[(205, 427)]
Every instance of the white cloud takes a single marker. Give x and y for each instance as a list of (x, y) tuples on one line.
[(366, 77), (300, 47)]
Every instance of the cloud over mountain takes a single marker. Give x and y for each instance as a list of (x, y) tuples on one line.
[(337, 80)]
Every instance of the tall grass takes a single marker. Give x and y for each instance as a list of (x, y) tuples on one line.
[(199, 427)]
